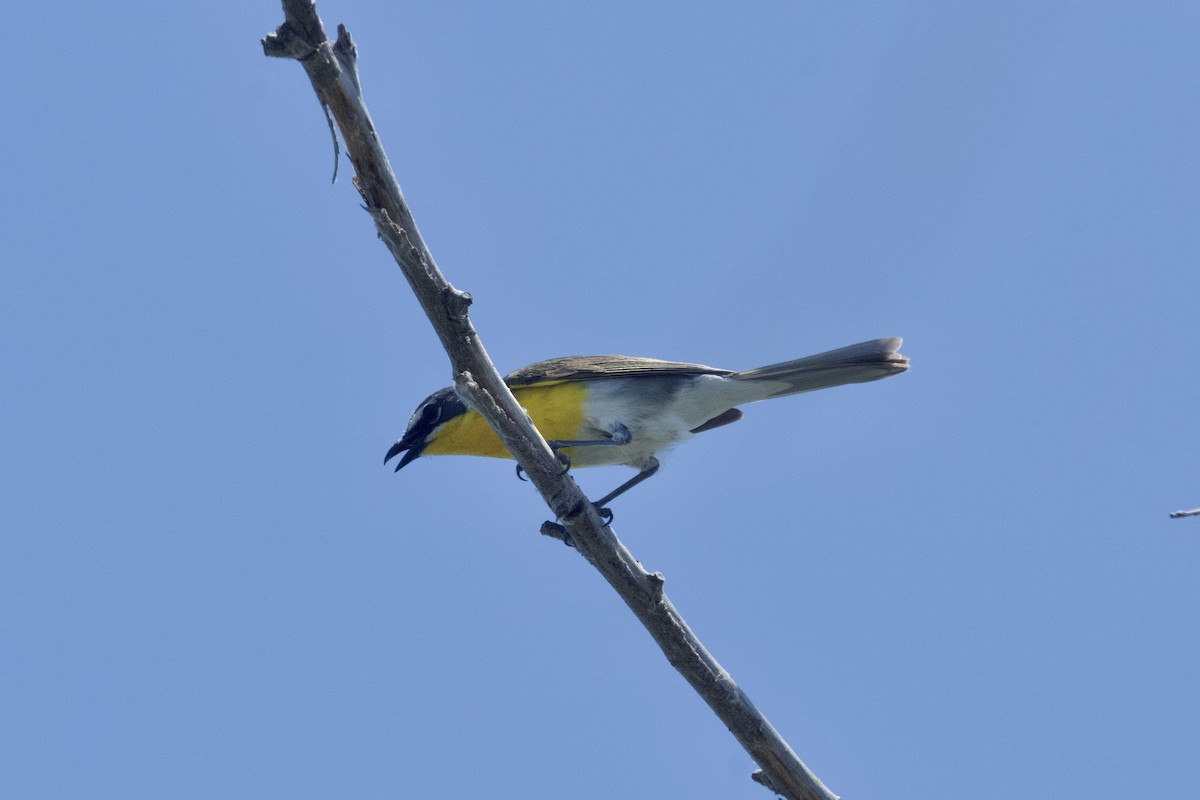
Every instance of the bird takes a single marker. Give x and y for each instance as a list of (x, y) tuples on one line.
[(624, 410)]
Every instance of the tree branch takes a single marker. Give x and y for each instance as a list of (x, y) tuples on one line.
[(332, 69)]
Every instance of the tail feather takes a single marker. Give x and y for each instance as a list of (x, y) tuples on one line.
[(858, 363)]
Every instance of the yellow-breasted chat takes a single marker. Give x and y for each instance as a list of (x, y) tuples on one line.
[(603, 410)]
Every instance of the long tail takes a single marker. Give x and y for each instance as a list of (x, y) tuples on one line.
[(858, 363)]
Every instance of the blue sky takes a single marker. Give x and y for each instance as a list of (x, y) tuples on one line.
[(944, 584)]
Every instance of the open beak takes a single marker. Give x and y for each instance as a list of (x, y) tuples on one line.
[(414, 451)]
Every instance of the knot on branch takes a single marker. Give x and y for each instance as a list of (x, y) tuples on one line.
[(299, 35), (344, 44), (656, 579), (456, 302), (476, 396), (347, 55), (287, 42), (572, 512), (760, 776), (556, 531), (466, 386)]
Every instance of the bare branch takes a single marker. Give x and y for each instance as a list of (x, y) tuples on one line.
[(332, 69)]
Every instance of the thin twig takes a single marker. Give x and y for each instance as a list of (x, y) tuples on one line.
[(331, 66)]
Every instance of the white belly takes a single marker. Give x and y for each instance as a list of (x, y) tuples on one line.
[(658, 412)]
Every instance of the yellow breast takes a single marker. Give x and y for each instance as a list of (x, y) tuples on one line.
[(555, 408)]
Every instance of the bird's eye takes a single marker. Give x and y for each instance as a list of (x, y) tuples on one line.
[(424, 416)]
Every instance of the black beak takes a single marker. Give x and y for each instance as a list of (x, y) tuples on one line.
[(440, 406), (414, 452)]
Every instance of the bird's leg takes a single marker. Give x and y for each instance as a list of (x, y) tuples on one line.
[(648, 470), (620, 435), (606, 515)]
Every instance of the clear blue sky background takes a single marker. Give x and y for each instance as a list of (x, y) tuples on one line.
[(961, 582)]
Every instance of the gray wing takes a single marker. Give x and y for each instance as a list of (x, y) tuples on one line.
[(590, 368)]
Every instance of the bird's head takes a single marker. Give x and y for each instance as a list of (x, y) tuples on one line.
[(425, 424)]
